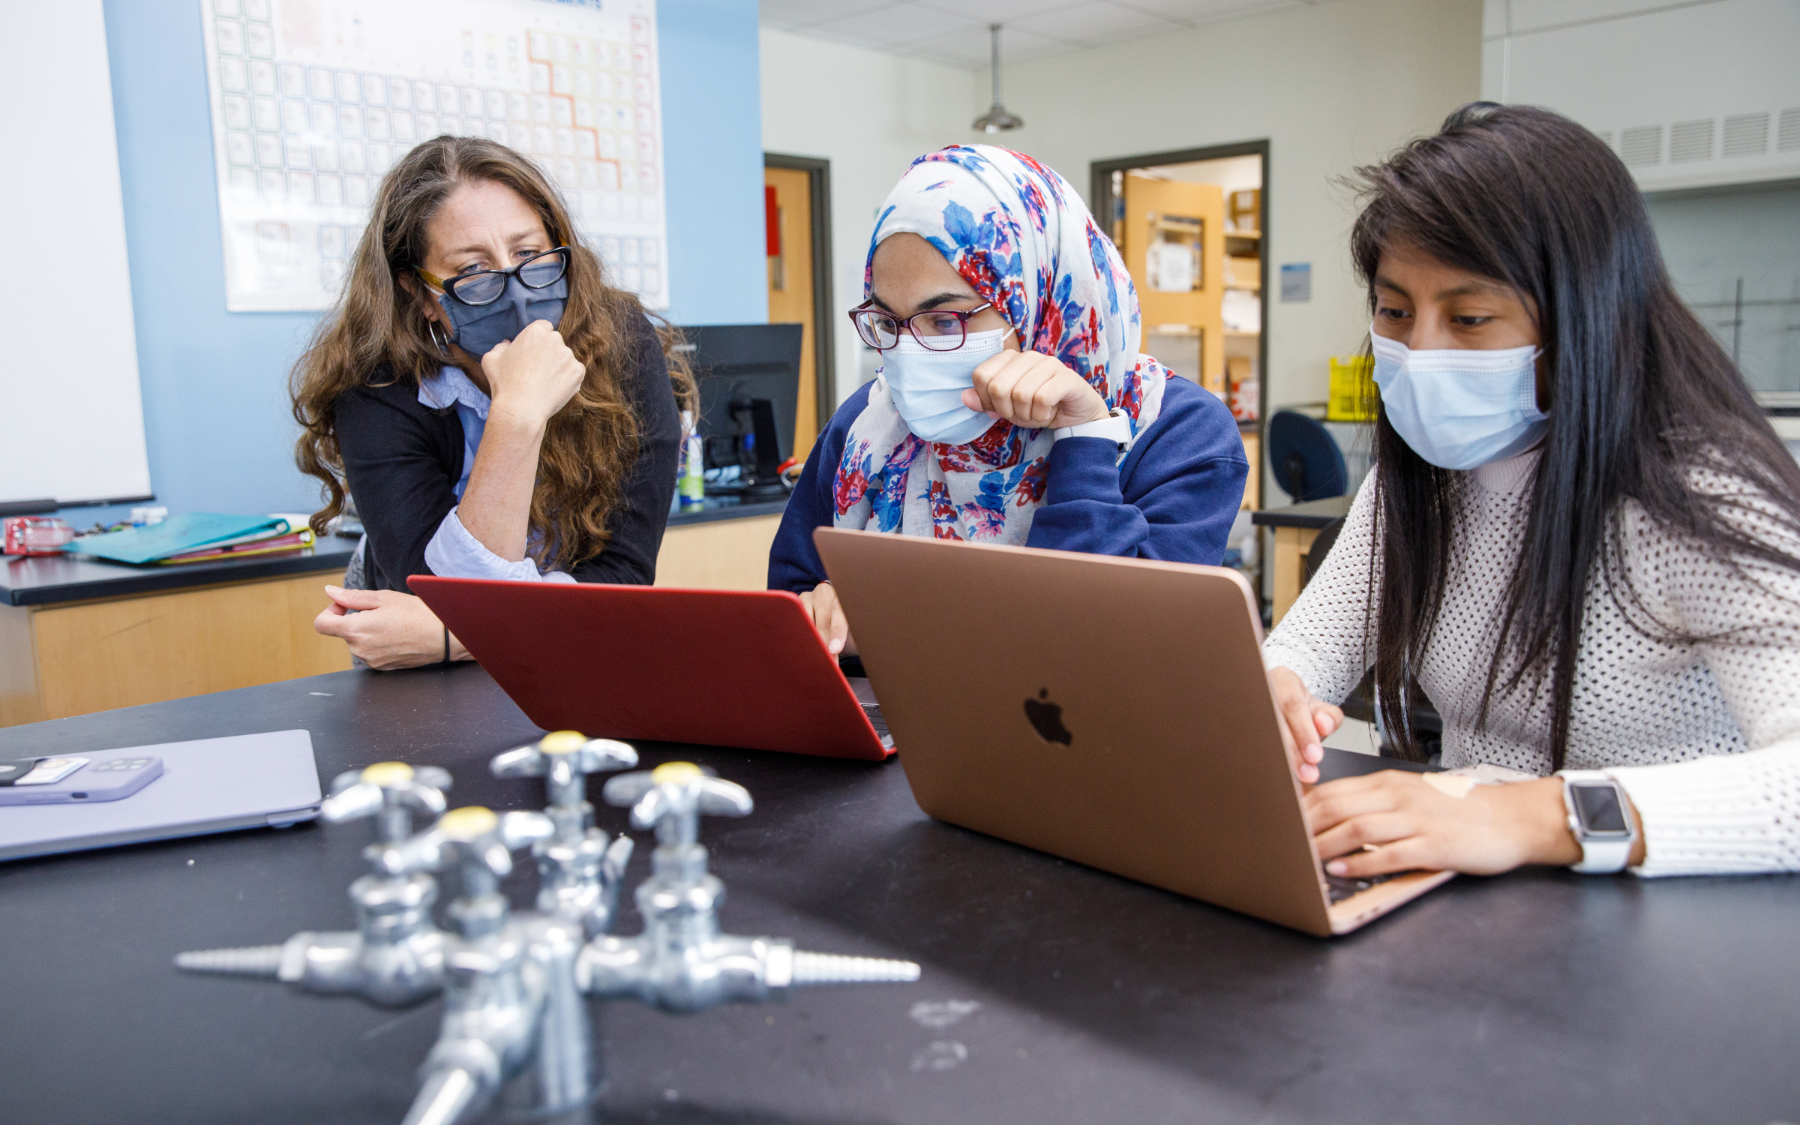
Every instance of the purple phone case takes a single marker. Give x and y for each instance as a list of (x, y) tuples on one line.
[(86, 785)]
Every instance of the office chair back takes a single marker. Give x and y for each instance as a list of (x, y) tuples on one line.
[(1307, 462)]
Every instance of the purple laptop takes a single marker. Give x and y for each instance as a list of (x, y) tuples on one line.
[(209, 785)]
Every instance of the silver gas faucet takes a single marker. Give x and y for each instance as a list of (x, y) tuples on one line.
[(681, 962), (513, 984), (579, 869), (395, 956), (494, 992), (389, 791)]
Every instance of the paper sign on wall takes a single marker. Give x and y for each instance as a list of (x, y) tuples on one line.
[(313, 100), (1296, 281)]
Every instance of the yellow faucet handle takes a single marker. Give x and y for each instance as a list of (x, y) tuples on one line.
[(676, 773), (387, 773), (562, 742), (468, 823)]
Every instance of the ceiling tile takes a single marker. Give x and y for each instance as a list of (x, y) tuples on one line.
[(802, 13), (1095, 22), (955, 50), (1035, 48), (866, 42), (902, 23), (1208, 11), (971, 50), (1000, 11), (954, 32)]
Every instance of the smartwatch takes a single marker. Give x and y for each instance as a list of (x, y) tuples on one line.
[(1600, 819), (1115, 427)]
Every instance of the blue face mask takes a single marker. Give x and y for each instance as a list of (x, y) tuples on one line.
[(927, 386), (477, 328), (1460, 408)]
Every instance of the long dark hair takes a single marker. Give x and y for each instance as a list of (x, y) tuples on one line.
[(1641, 397)]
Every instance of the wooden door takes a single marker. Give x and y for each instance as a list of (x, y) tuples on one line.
[(791, 286), (1168, 222)]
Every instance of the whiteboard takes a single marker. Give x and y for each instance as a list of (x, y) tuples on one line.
[(312, 100), (69, 395)]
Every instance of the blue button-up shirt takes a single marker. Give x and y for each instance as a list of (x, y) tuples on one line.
[(453, 552)]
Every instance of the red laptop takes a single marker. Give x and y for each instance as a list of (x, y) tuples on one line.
[(717, 667)]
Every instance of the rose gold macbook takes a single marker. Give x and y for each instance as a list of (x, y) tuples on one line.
[(1110, 711)]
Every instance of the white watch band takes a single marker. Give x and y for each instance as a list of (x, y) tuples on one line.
[(1599, 855), (1115, 427)]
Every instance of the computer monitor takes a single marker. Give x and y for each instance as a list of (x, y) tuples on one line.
[(749, 378)]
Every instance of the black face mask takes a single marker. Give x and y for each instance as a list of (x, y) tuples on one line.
[(477, 328)]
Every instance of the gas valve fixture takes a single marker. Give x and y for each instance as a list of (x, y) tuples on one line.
[(579, 871), (515, 983), (681, 962), (395, 956)]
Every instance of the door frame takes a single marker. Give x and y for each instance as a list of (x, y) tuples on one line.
[(1100, 173), (818, 180)]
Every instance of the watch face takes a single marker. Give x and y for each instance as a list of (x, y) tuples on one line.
[(1600, 810)]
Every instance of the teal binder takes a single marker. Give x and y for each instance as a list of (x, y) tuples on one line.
[(176, 534)]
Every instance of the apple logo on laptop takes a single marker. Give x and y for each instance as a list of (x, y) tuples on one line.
[(1046, 719)]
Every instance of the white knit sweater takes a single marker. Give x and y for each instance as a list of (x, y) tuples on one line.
[(1705, 737)]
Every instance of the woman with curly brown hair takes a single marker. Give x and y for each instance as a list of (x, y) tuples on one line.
[(496, 409)]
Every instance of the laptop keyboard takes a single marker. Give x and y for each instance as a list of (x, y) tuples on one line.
[(1340, 887), (873, 711)]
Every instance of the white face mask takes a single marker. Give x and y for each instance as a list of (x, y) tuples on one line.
[(1460, 408), (927, 386)]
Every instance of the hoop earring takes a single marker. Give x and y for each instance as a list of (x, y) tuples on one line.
[(437, 337)]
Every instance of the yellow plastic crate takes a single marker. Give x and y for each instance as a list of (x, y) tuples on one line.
[(1353, 395)]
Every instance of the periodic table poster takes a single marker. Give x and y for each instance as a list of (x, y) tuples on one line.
[(313, 100)]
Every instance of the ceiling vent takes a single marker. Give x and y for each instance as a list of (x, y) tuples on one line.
[(1787, 135), (1746, 134), (1642, 145), (1690, 140)]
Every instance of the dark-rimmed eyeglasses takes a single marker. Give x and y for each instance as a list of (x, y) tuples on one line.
[(938, 330), (483, 287)]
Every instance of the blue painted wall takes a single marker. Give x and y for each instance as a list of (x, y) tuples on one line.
[(216, 414), (712, 130)]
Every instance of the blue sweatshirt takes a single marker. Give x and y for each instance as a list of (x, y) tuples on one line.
[(1173, 497)]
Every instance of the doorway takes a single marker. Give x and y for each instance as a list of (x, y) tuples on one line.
[(797, 214), (1192, 226)]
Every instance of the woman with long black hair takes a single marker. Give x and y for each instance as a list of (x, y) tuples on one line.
[(1581, 538)]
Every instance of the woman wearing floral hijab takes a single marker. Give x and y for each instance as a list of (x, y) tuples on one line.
[(1012, 405)]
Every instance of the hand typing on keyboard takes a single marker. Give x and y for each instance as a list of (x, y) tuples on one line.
[(1340, 887), (1414, 825)]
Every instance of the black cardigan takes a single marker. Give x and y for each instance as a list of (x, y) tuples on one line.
[(402, 460)]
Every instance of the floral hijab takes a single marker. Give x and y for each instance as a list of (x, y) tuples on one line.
[(1017, 232)]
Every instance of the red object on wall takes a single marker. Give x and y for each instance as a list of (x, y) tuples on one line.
[(772, 221)]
